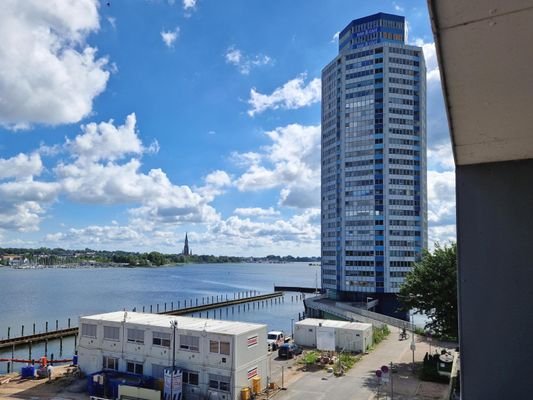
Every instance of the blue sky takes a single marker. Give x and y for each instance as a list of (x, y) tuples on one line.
[(123, 126)]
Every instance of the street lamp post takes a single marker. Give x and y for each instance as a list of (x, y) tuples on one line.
[(413, 347), (174, 325), (368, 298), (292, 329)]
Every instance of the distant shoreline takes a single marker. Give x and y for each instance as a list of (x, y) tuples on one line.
[(98, 265)]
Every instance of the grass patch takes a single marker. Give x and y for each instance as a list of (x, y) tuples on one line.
[(310, 358), (379, 334), (349, 360)]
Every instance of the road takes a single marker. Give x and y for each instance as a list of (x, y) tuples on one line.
[(358, 384)]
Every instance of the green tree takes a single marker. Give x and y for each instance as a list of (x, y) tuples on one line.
[(431, 287)]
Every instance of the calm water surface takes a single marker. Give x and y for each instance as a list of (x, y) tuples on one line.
[(37, 296)]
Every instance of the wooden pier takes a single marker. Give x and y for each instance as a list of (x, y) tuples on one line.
[(38, 337), (62, 333), (298, 289), (222, 304)]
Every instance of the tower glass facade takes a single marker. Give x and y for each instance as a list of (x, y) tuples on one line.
[(374, 201)]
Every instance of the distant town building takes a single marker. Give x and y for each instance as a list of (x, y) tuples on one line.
[(186, 251), (374, 201), (218, 358), (14, 260)]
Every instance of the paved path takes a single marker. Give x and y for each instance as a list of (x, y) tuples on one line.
[(360, 382)]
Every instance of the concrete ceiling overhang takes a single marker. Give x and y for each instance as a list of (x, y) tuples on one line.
[(485, 53)]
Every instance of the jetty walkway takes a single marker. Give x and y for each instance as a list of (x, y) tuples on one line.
[(194, 307)]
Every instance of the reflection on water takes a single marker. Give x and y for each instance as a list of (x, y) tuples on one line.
[(37, 296)]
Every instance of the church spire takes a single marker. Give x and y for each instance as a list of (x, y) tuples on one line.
[(186, 251)]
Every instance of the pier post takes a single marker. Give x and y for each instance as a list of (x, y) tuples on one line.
[(207, 314), (46, 348), (8, 367), (203, 300), (46, 329), (185, 301), (226, 297), (75, 342), (8, 331), (232, 309), (157, 307), (165, 306), (57, 324), (171, 305), (29, 351), (60, 346), (22, 334), (196, 301), (227, 310), (200, 314), (212, 299), (143, 308), (178, 304), (151, 308), (69, 322)]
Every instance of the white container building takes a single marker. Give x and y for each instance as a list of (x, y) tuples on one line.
[(327, 334), (218, 358)]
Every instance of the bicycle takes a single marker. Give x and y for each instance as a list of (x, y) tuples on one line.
[(403, 336)]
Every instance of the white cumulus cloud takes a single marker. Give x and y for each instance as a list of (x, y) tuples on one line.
[(49, 74), (21, 166), (441, 206), (189, 4), (169, 37), (291, 162), (245, 63), (105, 141), (293, 94), (256, 212)]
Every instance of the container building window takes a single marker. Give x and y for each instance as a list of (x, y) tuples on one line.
[(161, 339), (135, 336), (110, 363), (134, 367), (88, 330), (191, 343), (112, 333), (190, 378)]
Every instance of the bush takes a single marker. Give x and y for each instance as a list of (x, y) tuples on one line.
[(310, 357)]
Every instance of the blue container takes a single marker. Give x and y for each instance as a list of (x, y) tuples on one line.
[(75, 360), (27, 372)]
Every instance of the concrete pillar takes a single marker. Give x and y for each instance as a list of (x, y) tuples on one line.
[(495, 274)]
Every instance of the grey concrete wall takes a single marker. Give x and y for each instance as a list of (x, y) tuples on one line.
[(495, 256)]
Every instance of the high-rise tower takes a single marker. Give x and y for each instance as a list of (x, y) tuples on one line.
[(374, 202)]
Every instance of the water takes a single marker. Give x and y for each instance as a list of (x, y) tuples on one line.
[(38, 296)]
